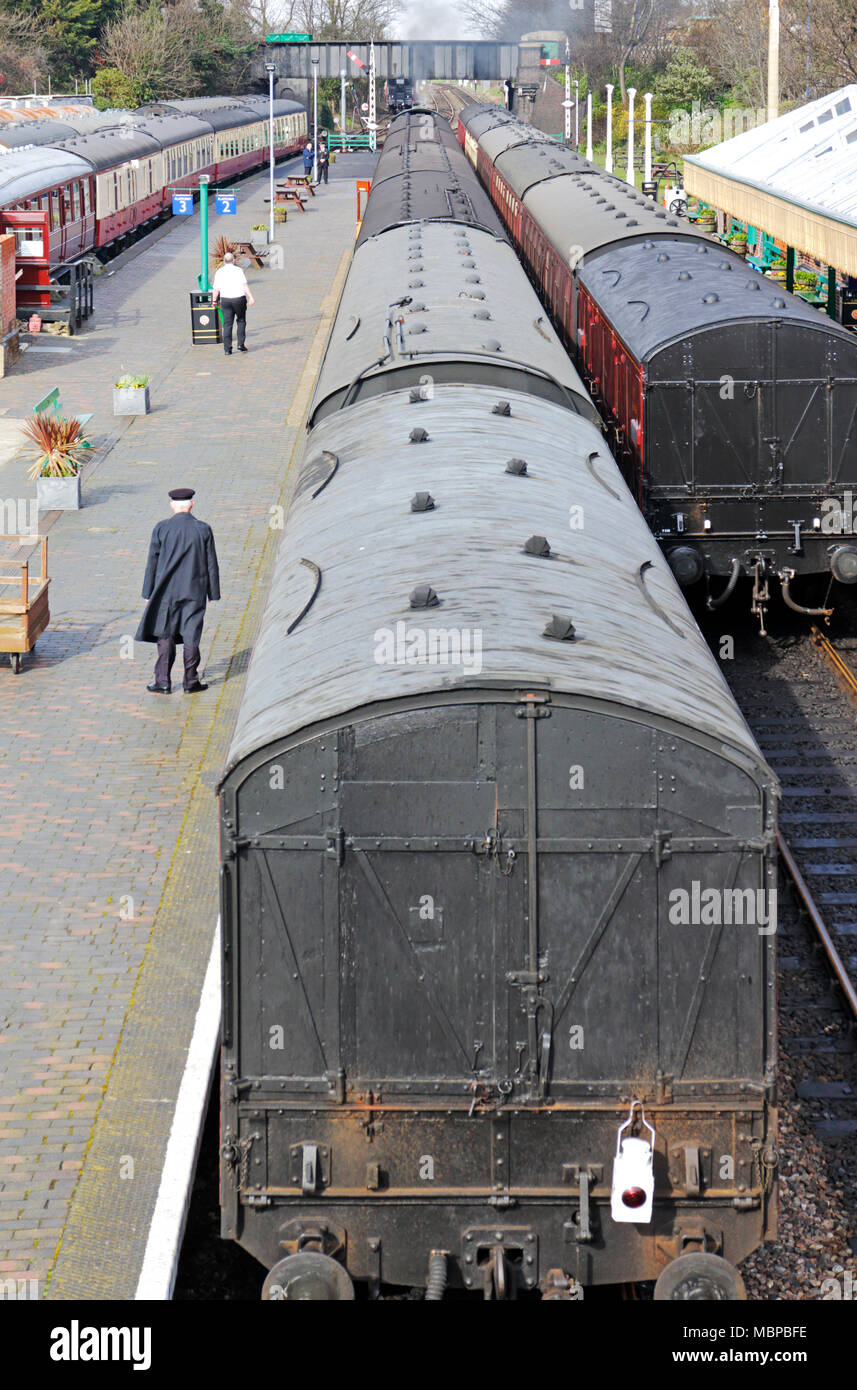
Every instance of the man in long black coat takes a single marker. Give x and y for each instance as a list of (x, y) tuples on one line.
[(181, 575)]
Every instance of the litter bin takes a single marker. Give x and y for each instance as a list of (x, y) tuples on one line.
[(650, 188), (204, 320)]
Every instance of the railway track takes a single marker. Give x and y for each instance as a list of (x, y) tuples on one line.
[(798, 695), (448, 101)]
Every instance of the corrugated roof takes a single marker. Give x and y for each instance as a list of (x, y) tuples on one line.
[(808, 156)]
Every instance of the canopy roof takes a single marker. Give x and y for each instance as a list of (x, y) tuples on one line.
[(795, 178)]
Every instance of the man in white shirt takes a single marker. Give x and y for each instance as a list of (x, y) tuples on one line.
[(231, 289)]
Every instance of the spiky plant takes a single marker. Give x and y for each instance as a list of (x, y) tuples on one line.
[(221, 246), (60, 444)]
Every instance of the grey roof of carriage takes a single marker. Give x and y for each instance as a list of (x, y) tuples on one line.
[(637, 643), (456, 278), (25, 173), (658, 292)]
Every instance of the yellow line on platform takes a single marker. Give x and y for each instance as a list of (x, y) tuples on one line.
[(329, 305)]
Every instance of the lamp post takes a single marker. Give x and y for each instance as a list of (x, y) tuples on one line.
[(270, 69), (589, 126), (647, 157), (342, 76), (629, 168), (576, 113), (608, 160), (314, 62)]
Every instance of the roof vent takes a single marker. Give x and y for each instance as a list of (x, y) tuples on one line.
[(415, 254), (491, 345), (537, 545), (473, 279), (481, 314), (662, 256), (418, 436), (702, 250), (711, 299), (423, 596), (648, 246), (671, 222), (560, 629), (418, 328), (412, 269), (415, 234), (416, 284), (469, 264), (502, 407), (754, 285), (422, 502), (632, 222), (725, 265), (621, 214), (517, 466), (779, 304), (685, 275), (417, 309), (418, 393)]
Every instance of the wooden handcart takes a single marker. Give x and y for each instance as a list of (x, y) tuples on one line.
[(24, 612)]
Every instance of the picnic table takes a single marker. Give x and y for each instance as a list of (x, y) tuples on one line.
[(24, 612), (298, 181)]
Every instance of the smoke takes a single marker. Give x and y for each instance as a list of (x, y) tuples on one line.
[(435, 19)]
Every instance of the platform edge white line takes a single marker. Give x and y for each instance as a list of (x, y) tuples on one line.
[(161, 1257)]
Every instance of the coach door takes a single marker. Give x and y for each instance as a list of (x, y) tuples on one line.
[(32, 257)]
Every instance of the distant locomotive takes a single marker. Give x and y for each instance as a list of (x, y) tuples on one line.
[(731, 403), (481, 750), (398, 94)]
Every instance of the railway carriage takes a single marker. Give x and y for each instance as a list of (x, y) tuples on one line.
[(732, 411), (481, 754)]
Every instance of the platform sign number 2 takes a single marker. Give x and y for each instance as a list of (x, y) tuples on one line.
[(226, 202)]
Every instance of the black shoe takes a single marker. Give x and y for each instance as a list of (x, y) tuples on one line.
[(242, 349), (195, 688), (227, 352), (159, 689)]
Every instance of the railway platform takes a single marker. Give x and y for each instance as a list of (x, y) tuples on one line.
[(108, 851)]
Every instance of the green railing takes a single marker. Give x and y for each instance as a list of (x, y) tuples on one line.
[(357, 140)]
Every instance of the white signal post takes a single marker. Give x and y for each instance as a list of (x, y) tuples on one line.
[(271, 68), (608, 160), (314, 62), (647, 157), (373, 125), (589, 126), (629, 170), (567, 102), (342, 113), (576, 113)]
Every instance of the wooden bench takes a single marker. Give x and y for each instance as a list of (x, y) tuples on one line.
[(246, 248), (52, 402)]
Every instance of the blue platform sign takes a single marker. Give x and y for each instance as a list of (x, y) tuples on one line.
[(182, 204), (225, 202)]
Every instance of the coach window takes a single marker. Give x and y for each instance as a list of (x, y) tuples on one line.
[(66, 203), (55, 207), (75, 201)]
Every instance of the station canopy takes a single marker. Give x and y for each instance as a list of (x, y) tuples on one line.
[(794, 178)]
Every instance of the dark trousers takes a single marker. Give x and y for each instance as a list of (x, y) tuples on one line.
[(166, 657), (323, 171), (233, 309)]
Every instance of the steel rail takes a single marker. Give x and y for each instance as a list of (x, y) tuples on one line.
[(819, 925)]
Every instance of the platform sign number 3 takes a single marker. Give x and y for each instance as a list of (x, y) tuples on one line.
[(182, 204)]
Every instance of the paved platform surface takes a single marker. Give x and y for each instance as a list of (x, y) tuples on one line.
[(108, 848)]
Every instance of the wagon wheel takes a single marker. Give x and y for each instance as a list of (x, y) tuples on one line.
[(699, 1275), (15, 662)]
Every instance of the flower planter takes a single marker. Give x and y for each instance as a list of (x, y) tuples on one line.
[(130, 400), (58, 494)]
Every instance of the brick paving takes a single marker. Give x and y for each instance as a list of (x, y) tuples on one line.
[(108, 850)]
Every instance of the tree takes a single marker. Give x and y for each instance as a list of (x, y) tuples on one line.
[(23, 58), (360, 20), (112, 89), (685, 79), (69, 30)]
